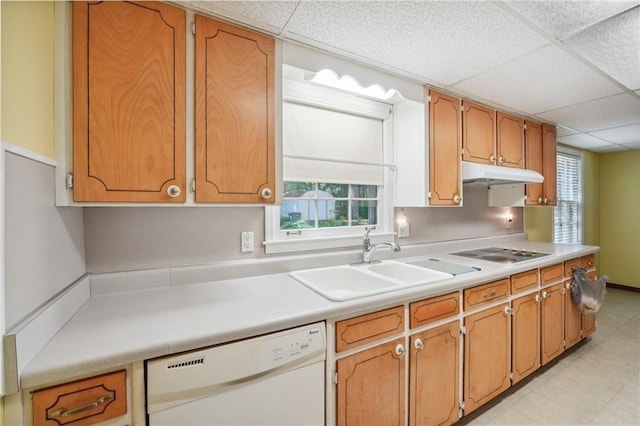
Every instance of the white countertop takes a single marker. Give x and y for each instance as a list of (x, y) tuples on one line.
[(113, 330)]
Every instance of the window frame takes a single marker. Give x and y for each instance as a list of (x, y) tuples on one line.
[(284, 241), (580, 158)]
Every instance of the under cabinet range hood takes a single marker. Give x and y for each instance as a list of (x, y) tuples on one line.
[(497, 175)]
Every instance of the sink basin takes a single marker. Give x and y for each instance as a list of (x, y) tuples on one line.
[(408, 274), (347, 282)]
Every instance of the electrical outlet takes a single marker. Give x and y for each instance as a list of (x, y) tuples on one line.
[(246, 244), (403, 230)]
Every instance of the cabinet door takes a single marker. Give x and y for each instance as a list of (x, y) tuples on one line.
[(478, 133), (434, 377), (572, 318), (235, 135), (552, 339), (510, 140), (525, 344), (533, 161), (487, 361), (128, 102), (549, 164), (371, 386), (444, 150)]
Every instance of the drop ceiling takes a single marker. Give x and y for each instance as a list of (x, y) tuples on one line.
[(572, 63)]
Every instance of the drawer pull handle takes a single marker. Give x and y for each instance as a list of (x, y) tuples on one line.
[(63, 412), (489, 295)]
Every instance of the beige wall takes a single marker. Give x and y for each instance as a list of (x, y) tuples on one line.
[(620, 217), (27, 76)]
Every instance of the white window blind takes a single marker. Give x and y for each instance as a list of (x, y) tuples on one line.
[(568, 212), (322, 145)]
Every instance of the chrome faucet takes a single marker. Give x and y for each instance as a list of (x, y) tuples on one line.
[(368, 249)]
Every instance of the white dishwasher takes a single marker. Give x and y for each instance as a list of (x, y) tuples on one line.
[(276, 379)]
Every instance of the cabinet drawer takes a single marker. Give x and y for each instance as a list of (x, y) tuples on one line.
[(368, 328), (588, 261), (551, 274), (434, 309), (569, 265), (84, 402), (486, 293), (524, 280)]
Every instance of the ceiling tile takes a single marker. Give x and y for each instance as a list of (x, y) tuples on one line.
[(610, 148), (270, 16), (438, 41), (613, 46), (561, 18), (605, 113), (635, 145), (582, 140), (546, 79), (624, 134), (563, 131)]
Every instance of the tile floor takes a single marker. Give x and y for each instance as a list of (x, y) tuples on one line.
[(595, 383)]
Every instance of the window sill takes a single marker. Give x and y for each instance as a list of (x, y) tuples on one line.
[(297, 243)]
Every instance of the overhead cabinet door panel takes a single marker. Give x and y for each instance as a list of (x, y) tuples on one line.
[(234, 114), (444, 150), (129, 101)]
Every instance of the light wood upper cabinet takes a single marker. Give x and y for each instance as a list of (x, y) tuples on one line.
[(549, 166), (235, 133), (434, 365), (128, 102), (540, 155), (371, 386), (445, 185), (533, 161), (510, 136), (478, 133), (487, 356)]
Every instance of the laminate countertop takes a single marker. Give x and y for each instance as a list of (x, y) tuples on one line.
[(113, 329)]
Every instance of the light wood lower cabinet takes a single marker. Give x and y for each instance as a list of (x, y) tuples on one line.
[(572, 318), (552, 338), (525, 336), (371, 386), (434, 376), (487, 355)]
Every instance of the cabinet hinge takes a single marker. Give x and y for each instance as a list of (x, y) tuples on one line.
[(193, 28), (525, 127), (463, 329), (461, 405), (335, 377), (429, 98), (511, 376), (193, 185), (68, 181), (429, 195)]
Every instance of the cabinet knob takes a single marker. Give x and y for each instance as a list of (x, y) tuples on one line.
[(173, 191), (400, 351), (540, 200), (508, 310), (492, 158), (538, 298), (418, 344), (457, 199), (545, 295), (501, 159), (266, 193), (546, 200)]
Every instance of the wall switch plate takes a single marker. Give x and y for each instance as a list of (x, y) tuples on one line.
[(246, 244)]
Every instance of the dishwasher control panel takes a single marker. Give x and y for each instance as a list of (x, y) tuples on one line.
[(299, 344)]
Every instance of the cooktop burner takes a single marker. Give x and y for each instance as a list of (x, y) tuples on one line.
[(501, 255)]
